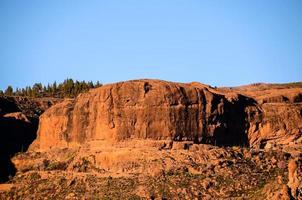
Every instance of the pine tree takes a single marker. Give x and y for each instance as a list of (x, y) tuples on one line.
[(9, 91), (68, 88), (23, 92), (49, 90), (98, 84)]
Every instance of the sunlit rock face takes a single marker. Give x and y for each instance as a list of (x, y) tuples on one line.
[(160, 110)]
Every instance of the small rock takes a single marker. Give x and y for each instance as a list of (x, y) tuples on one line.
[(293, 177), (280, 179), (206, 184), (247, 154), (274, 161), (207, 197), (268, 146), (281, 164)]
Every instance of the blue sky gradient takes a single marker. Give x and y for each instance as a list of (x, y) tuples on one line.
[(217, 42)]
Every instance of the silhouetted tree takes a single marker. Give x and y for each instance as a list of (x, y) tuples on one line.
[(98, 84), (9, 91), (68, 88)]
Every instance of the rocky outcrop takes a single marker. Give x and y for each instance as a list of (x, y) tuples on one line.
[(148, 109), (161, 110), (281, 123), (281, 113)]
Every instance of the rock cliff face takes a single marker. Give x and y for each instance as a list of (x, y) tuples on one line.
[(147, 109), (281, 124), (281, 113), (153, 109)]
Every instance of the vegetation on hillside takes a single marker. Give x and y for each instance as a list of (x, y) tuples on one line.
[(69, 88)]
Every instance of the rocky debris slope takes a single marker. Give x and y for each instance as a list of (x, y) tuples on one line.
[(149, 169), (154, 109)]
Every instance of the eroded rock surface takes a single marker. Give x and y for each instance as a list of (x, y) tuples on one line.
[(281, 113), (148, 109), (154, 109)]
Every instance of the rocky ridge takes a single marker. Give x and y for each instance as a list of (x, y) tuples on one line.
[(152, 139)]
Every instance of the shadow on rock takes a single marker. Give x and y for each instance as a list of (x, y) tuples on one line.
[(235, 122), (16, 136)]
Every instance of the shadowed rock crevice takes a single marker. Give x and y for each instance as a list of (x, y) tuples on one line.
[(16, 136), (234, 130), (8, 105), (18, 127), (147, 87)]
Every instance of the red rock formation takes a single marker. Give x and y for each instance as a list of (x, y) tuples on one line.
[(156, 109), (146, 109), (281, 113)]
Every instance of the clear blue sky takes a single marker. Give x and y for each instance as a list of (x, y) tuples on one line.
[(217, 42)]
